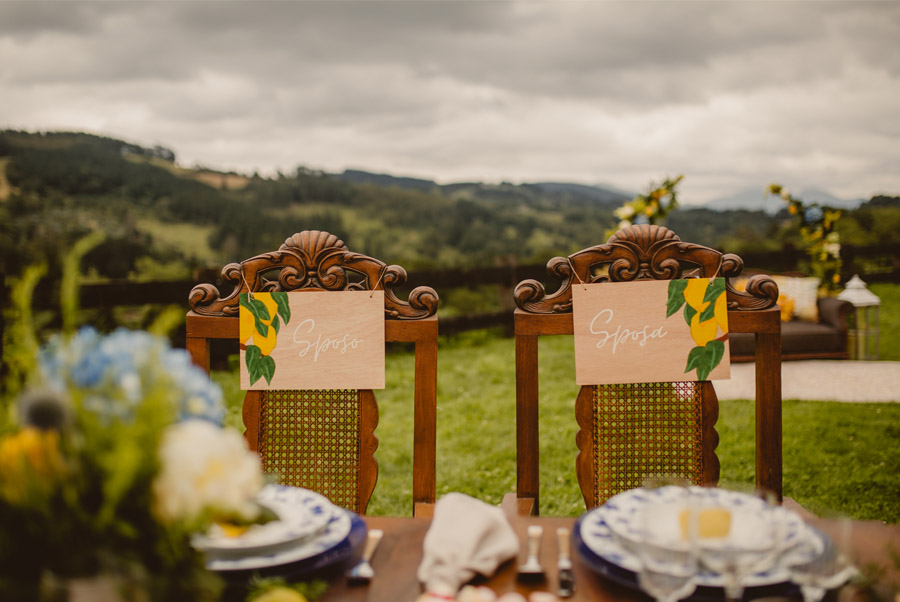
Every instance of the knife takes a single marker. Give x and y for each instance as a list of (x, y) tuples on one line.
[(565, 573)]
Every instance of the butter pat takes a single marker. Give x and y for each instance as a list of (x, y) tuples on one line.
[(712, 523)]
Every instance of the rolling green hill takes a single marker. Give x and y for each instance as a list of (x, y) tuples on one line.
[(60, 185), (162, 218)]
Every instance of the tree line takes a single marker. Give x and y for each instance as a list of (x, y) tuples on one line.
[(62, 185)]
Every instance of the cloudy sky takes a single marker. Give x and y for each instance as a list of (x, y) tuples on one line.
[(733, 95)]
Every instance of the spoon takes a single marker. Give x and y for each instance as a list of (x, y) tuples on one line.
[(531, 569), (363, 572)]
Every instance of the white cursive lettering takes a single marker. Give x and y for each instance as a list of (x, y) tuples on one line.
[(622, 335), (322, 344)]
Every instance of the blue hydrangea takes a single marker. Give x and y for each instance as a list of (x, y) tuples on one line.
[(114, 373), (813, 214)]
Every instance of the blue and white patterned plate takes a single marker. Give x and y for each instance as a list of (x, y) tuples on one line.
[(600, 543), (333, 535), (302, 514), (753, 523)]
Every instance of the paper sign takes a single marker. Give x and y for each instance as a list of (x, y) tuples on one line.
[(651, 331), (312, 340)]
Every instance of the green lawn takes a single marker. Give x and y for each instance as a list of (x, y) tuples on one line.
[(838, 458), (890, 320)]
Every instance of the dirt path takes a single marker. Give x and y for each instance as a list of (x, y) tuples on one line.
[(835, 380)]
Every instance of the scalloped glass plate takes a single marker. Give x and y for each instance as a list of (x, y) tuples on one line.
[(600, 541), (610, 567), (301, 513), (752, 525)]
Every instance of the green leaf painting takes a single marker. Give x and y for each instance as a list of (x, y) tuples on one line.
[(676, 296)]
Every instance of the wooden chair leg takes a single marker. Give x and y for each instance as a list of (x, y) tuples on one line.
[(527, 450)]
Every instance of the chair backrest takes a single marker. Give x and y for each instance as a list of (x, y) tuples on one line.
[(324, 440), (629, 432)]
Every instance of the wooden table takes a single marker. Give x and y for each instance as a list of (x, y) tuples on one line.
[(400, 553)]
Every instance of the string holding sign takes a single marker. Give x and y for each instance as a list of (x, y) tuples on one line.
[(572, 267), (377, 282)]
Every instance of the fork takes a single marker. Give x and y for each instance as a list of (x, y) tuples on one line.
[(363, 572)]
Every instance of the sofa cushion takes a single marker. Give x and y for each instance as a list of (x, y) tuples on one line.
[(800, 295), (798, 337)]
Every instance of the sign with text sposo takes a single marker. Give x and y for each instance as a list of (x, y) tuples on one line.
[(651, 331), (312, 340)]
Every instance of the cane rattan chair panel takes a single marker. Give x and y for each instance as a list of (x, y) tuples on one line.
[(643, 430), (311, 439)]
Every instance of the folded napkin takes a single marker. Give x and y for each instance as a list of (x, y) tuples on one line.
[(466, 537)]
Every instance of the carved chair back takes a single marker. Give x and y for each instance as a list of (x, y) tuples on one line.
[(632, 431), (324, 440)]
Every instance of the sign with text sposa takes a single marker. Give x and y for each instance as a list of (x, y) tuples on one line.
[(651, 331), (312, 340)]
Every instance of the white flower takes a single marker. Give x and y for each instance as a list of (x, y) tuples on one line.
[(624, 224), (205, 467), (624, 212), (785, 194)]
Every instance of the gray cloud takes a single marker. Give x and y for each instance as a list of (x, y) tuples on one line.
[(731, 94)]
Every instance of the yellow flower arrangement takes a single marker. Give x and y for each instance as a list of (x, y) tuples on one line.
[(649, 208), (821, 242)]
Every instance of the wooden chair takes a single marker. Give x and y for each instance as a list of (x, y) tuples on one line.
[(325, 440), (621, 444)]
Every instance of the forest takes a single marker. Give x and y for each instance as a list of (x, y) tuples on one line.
[(164, 221)]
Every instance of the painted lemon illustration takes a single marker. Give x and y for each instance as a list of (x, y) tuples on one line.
[(706, 312), (265, 342), (261, 317), (721, 311), (703, 332), (694, 292)]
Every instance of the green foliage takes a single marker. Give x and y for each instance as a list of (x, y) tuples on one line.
[(20, 343), (311, 590), (69, 282)]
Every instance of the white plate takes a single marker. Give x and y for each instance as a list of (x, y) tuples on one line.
[(600, 539), (753, 523), (336, 530), (301, 515)]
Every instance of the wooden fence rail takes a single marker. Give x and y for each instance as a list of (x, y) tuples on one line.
[(877, 263)]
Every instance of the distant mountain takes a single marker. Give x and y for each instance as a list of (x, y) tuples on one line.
[(756, 199), (603, 194), (358, 176)]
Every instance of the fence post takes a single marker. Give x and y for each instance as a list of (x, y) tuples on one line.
[(847, 260), (505, 287)]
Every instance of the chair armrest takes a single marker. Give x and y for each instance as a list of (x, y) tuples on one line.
[(517, 506), (833, 312)]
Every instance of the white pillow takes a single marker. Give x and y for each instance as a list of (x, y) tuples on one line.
[(803, 292)]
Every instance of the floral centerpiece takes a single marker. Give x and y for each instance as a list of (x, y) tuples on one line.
[(116, 457)]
